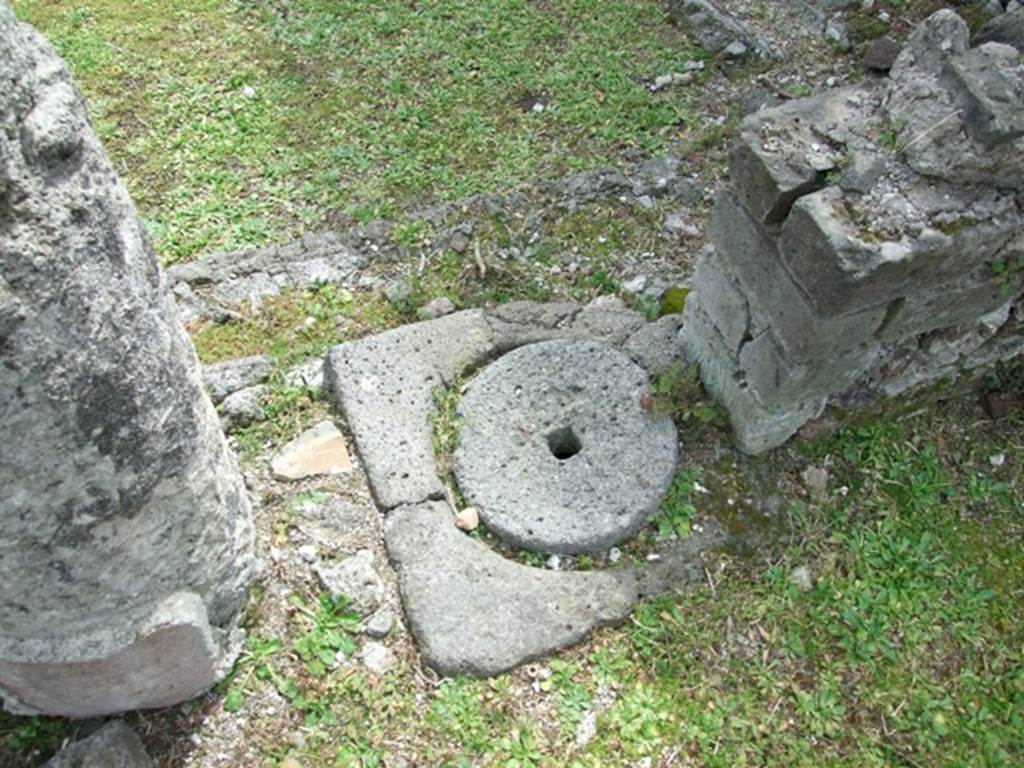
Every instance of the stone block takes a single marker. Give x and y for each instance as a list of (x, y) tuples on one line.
[(764, 295), (849, 255), (929, 112), (991, 85), (787, 151), (756, 426)]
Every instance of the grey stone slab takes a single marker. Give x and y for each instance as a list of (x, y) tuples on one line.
[(655, 347), (787, 151), (556, 451), (385, 385), (117, 489), (115, 745), (221, 379), (475, 613), (991, 81)]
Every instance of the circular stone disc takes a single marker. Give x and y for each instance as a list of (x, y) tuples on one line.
[(556, 451)]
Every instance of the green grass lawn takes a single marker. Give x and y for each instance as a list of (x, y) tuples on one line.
[(236, 123)]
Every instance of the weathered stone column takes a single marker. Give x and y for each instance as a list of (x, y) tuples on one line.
[(126, 551), (873, 241)]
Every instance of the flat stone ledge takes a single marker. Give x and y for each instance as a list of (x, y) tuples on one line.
[(475, 613), (556, 451)]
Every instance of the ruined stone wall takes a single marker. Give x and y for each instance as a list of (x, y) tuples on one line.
[(126, 548), (871, 242)]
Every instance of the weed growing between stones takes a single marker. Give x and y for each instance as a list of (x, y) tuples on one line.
[(445, 423), (677, 511), (678, 393)]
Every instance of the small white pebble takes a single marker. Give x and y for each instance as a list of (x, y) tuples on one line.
[(538, 107), (614, 554), (249, 92), (700, 488), (997, 459), (553, 563), (653, 558), (307, 552)]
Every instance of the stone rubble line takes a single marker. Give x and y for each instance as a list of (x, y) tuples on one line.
[(126, 554), (218, 285), (857, 256)]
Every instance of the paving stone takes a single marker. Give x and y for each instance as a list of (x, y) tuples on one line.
[(354, 577), (115, 745), (384, 385), (655, 347), (475, 613), (221, 379), (555, 450), (320, 450)]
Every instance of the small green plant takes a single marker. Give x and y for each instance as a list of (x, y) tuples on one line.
[(33, 735), (255, 661), (1008, 272), (677, 510), (445, 421), (333, 626), (889, 135), (677, 393)]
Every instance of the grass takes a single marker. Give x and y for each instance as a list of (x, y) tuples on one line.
[(238, 123)]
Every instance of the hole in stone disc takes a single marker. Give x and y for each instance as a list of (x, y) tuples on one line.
[(563, 443)]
